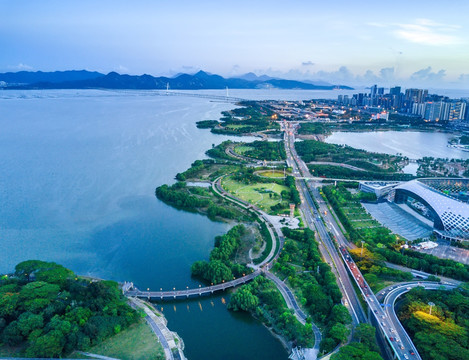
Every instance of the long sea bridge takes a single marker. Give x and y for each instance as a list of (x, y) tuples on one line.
[(221, 98)]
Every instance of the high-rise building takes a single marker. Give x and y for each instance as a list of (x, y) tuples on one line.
[(433, 111), (396, 90), (457, 110)]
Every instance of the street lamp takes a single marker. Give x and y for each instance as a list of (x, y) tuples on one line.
[(431, 305)]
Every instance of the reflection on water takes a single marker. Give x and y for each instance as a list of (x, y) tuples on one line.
[(210, 331), (413, 144)]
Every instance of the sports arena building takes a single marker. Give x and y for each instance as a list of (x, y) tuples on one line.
[(445, 201)]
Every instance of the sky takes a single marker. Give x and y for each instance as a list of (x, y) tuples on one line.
[(411, 43)]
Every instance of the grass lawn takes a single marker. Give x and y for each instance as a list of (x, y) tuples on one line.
[(241, 149), (137, 342), (271, 174), (234, 126), (257, 194)]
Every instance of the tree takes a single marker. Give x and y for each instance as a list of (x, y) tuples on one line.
[(43, 271), (49, 345), (341, 314), (8, 304), (365, 333), (243, 299), (356, 351), (218, 272), (27, 322), (339, 332), (12, 334)]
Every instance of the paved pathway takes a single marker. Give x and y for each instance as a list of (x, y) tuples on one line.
[(96, 356), (158, 325), (299, 314)]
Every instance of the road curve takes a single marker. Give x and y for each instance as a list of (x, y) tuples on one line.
[(391, 294), (293, 304)]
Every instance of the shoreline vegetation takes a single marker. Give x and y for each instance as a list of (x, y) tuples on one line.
[(239, 165), (239, 168), (48, 311)]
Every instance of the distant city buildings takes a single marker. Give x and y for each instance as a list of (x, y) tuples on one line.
[(417, 102)]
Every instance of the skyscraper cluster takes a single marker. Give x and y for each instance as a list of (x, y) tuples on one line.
[(418, 102)]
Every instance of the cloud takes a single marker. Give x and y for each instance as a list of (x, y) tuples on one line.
[(375, 24), (20, 67), (387, 74), (464, 78), (307, 63), (427, 75), (428, 32), (342, 75)]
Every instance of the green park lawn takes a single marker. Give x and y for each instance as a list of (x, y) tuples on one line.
[(257, 194), (241, 149), (137, 342), (235, 126), (276, 174)]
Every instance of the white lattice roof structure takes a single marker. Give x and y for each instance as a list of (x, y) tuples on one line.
[(451, 215)]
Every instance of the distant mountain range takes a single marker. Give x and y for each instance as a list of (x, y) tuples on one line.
[(201, 80)]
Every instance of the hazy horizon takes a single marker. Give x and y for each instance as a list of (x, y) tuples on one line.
[(413, 44)]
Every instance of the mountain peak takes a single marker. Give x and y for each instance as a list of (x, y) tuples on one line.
[(201, 73)]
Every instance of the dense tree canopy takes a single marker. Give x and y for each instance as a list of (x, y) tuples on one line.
[(445, 333), (48, 311), (220, 267)]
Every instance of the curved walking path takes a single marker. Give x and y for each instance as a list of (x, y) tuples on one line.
[(158, 326), (283, 288), (346, 166), (275, 251), (293, 304)]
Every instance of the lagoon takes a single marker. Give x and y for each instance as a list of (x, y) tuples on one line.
[(413, 144)]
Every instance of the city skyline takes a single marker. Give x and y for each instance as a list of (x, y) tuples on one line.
[(416, 44)]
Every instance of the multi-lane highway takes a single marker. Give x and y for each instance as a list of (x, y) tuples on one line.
[(314, 221), (319, 215)]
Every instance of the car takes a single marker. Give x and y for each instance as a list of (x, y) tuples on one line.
[(405, 355), (392, 330), (402, 347), (392, 339), (411, 352)]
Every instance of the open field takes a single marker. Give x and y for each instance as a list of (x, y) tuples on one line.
[(235, 126), (276, 174), (137, 342), (263, 195), (241, 149)]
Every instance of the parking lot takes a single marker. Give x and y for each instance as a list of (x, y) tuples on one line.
[(445, 251)]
